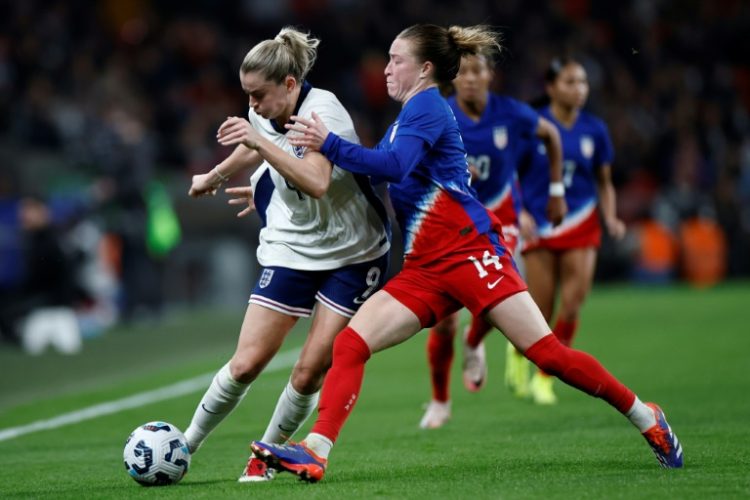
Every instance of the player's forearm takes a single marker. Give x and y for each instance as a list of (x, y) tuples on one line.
[(606, 192), (311, 177), (553, 146), (241, 158), (392, 165), (607, 200)]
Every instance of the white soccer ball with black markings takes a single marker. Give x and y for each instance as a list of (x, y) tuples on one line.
[(156, 454)]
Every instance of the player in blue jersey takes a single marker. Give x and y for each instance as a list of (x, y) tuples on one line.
[(453, 253), (563, 257), (495, 131), (323, 246)]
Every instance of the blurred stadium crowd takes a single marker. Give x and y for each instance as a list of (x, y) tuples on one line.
[(98, 100)]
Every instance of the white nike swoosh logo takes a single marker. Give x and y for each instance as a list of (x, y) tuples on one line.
[(494, 283)]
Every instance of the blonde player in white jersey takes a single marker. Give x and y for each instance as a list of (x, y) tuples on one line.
[(323, 246)]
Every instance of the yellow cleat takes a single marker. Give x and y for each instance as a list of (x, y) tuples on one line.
[(541, 389), (516, 372)]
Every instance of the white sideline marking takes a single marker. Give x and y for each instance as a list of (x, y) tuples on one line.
[(281, 361)]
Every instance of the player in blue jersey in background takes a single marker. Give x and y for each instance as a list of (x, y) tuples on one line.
[(563, 257), (453, 253), (323, 245), (496, 131)]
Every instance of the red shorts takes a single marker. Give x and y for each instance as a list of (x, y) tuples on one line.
[(478, 276), (587, 233), (506, 214), (511, 234)]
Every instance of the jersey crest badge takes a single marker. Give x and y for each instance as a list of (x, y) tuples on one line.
[(393, 132), (500, 137), (587, 147), (265, 278), (299, 151)]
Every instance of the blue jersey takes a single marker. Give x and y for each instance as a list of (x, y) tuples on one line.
[(495, 145), (434, 203), (586, 148)]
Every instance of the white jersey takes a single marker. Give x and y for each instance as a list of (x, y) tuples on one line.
[(347, 225)]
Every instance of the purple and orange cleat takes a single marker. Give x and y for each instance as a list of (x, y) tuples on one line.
[(663, 441), (293, 457)]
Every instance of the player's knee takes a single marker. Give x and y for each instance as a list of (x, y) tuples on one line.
[(244, 370), (349, 347), (571, 304), (447, 327), (307, 379)]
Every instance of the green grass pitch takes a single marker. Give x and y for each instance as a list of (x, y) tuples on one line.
[(686, 349)]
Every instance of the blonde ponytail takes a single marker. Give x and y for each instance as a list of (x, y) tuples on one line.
[(291, 52)]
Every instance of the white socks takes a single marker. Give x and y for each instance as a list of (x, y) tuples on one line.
[(220, 399), (641, 416), (225, 393), (291, 412), (319, 444)]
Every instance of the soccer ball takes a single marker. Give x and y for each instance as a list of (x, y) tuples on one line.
[(156, 454)]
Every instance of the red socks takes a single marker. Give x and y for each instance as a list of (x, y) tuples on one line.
[(580, 370), (565, 331), (350, 353), (477, 331), (440, 358), (342, 383)]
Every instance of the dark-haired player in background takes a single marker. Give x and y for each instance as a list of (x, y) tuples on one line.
[(562, 257)]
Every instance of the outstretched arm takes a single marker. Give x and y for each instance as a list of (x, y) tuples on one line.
[(310, 174), (392, 165), (241, 158)]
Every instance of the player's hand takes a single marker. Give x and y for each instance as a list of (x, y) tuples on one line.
[(556, 209), (310, 133), (237, 130), (527, 226), (244, 196), (474, 172), (615, 228), (203, 184)]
